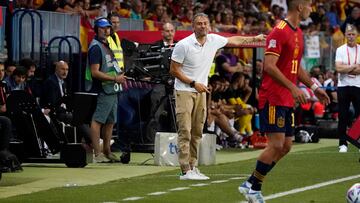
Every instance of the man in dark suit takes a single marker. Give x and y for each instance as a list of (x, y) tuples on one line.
[(53, 98), (54, 88), (168, 33)]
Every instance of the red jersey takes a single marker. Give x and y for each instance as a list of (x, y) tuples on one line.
[(286, 42)]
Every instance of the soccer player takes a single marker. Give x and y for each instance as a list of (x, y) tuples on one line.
[(278, 93)]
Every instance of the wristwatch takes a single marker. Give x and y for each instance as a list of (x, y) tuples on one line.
[(192, 84)]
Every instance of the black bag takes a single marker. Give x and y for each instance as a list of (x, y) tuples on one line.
[(9, 162)]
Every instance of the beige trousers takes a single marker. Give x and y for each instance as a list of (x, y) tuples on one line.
[(190, 119)]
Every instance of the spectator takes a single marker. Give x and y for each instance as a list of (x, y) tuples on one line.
[(281, 3), (187, 17), (9, 68), (55, 88), (332, 16), (238, 94), (54, 99), (216, 116), (157, 12), (136, 9), (17, 81), (5, 123), (61, 6), (114, 7), (331, 90), (353, 19), (30, 67), (227, 64)]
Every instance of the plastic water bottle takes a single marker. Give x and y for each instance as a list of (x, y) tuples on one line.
[(257, 121)]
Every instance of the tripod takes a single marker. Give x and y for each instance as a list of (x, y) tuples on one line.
[(161, 118)]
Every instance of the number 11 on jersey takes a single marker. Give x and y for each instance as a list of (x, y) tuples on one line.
[(294, 66)]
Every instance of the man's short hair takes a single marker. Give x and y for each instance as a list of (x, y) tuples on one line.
[(350, 28), (199, 15), (292, 4), (27, 63), (113, 14), (20, 71)]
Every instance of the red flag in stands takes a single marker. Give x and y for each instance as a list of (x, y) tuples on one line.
[(85, 27), (150, 25)]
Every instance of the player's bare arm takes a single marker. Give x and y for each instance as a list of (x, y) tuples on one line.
[(306, 80), (236, 41), (175, 70), (356, 70), (345, 68), (271, 68)]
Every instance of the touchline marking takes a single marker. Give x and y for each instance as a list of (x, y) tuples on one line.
[(184, 188), (237, 178), (199, 185), (219, 181), (179, 188), (132, 198), (157, 193), (311, 187)]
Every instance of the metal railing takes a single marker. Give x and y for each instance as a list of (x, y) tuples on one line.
[(26, 42), (48, 24)]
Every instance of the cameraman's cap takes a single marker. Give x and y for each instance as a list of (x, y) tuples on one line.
[(103, 22)]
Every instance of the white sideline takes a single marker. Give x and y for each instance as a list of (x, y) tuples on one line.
[(311, 187)]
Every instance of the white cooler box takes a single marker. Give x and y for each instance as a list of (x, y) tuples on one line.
[(166, 149)]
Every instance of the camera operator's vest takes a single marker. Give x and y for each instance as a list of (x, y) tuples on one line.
[(115, 46), (109, 66)]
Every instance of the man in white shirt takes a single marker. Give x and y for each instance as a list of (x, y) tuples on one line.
[(190, 65), (347, 63)]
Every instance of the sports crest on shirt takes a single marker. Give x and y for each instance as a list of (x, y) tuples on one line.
[(272, 44)]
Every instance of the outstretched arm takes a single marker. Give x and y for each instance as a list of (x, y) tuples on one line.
[(236, 41)]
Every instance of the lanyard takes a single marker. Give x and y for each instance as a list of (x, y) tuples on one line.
[(347, 50)]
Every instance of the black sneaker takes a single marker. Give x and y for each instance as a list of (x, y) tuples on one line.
[(125, 157)]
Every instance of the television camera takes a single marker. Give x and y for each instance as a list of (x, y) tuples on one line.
[(153, 64)]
